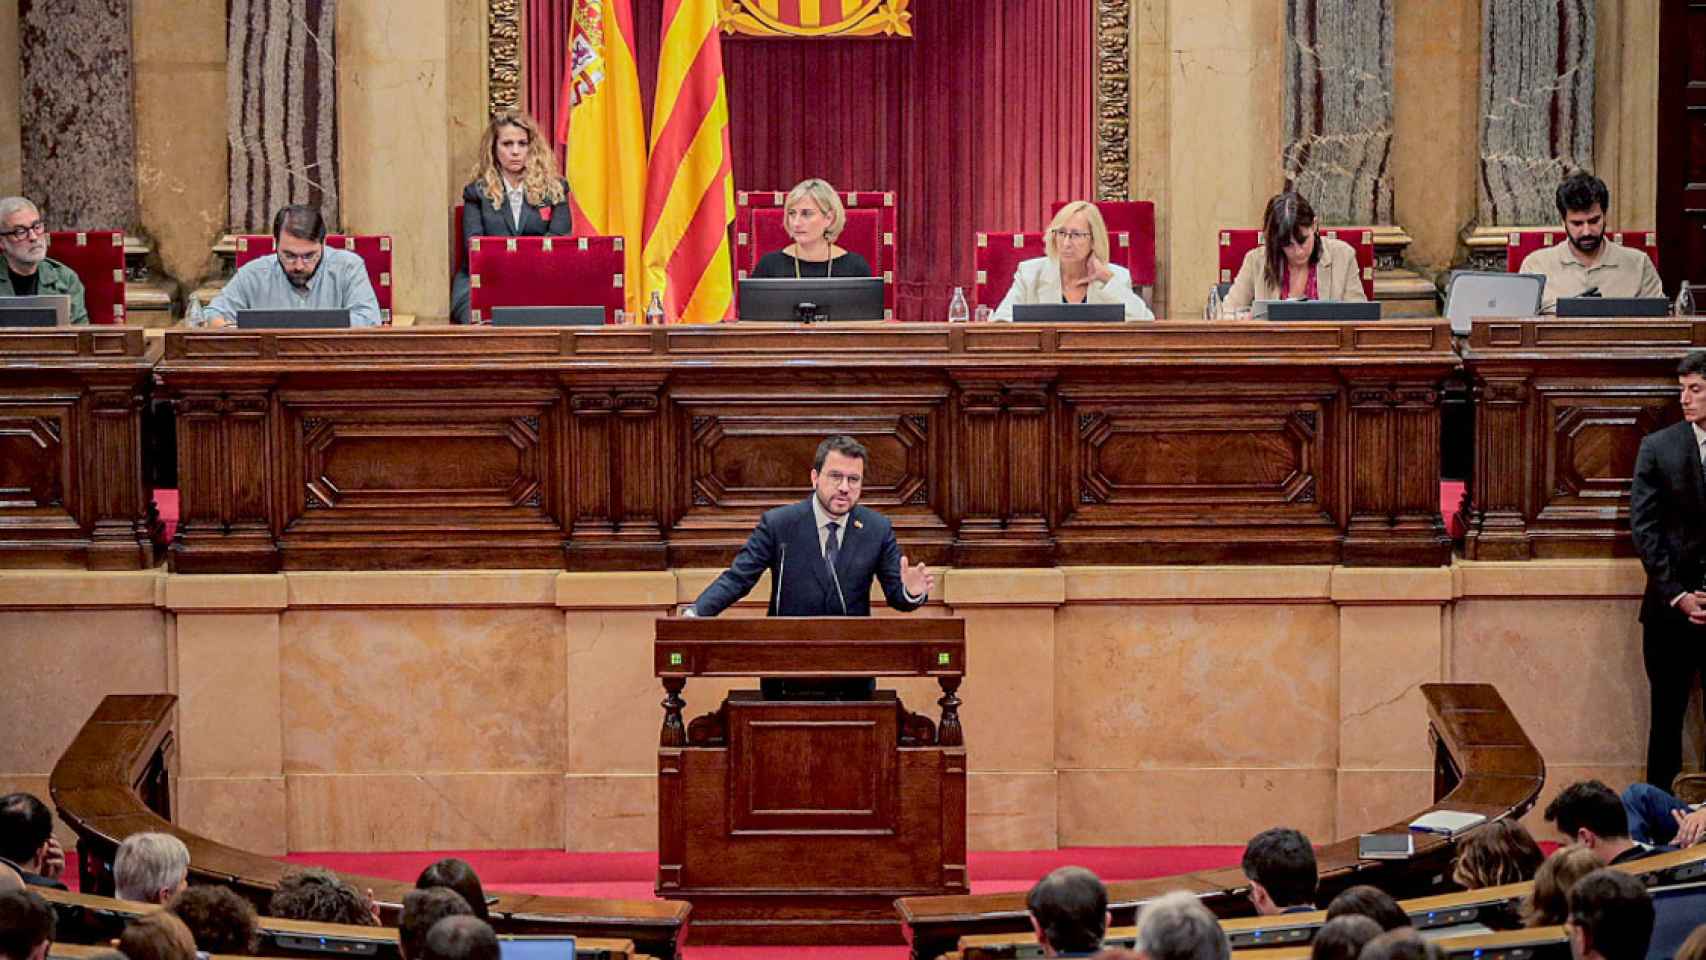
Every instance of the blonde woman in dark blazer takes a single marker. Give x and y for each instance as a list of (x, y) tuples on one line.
[(1075, 269), (1294, 262), (516, 191)]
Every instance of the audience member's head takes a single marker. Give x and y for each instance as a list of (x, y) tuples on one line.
[(1611, 917), (460, 938), (1178, 927), (1549, 904), (1280, 865), (1590, 813), (1496, 853), (151, 868), (26, 826), (1343, 937), (26, 925), (1117, 953), (219, 919), (1403, 943), (421, 910), (1069, 910), (1694, 948), (321, 896), (158, 935), (457, 875), (1371, 902)]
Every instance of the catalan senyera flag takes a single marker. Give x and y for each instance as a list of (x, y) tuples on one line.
[(690, 189), (601, 120)]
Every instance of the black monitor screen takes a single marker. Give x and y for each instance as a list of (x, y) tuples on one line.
[(811, 300), (292, 319)]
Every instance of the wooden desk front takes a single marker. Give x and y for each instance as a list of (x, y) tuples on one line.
[(650, 448)]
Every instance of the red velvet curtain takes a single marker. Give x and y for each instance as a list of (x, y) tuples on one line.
[(978, 122)]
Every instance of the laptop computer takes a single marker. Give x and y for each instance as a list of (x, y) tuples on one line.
[(48, 310), (1613, 307), (547, 316), (292, 319), (1069, 312), (1487, 293), (1290, 310)]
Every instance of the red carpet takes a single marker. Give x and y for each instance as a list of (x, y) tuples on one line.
[(630, 875)]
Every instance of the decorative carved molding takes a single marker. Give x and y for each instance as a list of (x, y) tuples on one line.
[(888, 18), (503, 55), (1113, 99)]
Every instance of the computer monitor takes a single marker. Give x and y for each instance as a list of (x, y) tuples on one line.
[(536, 948), (49, 310), (547, 316), (1068, 312), (292, 319), (1613, 307), (1289, 310), (1489, 293), (811, 300)]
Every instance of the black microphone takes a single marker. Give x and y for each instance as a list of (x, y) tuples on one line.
[(1590, 292), (776, 585), (837, 578)]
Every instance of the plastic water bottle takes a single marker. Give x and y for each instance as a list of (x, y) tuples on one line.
[(194, 316), (1684, 301), (958, 312), (654, 310), (1212, 311)]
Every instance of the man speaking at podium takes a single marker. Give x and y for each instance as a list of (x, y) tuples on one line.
[(822, 554)]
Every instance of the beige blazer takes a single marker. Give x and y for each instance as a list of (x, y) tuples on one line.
[(1038, 281), (1336, 278)]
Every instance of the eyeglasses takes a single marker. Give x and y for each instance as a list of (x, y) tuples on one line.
[(302, 258), (1071, 235), (836, 478), (24, 233)]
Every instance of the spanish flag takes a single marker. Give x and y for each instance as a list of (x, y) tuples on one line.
[(690, 189), (604, 126)]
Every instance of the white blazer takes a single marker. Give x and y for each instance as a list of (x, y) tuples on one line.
[(1038, 281)]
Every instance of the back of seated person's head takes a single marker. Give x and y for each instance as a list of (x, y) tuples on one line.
[(25, 825), (1280, 865), (1069, 910), (421, 910), (458, 875), (1496, 853), (1371, 902), (1178, 927), (1118, 953), (150, 867), (26, 925), (1611, 916), (1403, 943), (219, 919), (157, 935), (1549, 903), (460, 938), (1592, 806), (319, 895), (1343, 937), (1694, 948)]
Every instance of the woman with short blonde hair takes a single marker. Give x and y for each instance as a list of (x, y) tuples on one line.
[(814, 217), (1075, 267)]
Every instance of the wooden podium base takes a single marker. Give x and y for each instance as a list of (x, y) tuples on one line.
[(806, 918)]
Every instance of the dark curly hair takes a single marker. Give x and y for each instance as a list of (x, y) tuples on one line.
[(321, 896), (220, 921)]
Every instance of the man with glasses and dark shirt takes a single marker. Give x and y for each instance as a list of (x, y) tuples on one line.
[(305, 275), (29, 270)]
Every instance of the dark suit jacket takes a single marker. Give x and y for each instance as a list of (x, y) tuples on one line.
[(481, 219), (785, 543), (1667, 517)]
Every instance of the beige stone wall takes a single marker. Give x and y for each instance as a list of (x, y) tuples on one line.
[(11, 83), (1116, 705), (1626, 96), (1436, 120)]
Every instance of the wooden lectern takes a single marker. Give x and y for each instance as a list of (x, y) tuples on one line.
[(801, 821)]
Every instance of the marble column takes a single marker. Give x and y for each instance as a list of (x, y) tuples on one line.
[(78, 130), (281, 108), (1338, 107), (1537, 118)]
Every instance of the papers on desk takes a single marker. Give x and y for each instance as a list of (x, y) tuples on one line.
[(1447, 823)]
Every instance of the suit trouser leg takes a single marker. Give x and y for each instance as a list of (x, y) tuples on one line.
[(1671, 650)]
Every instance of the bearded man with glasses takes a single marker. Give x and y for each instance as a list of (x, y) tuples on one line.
[(30, 272), (304, 275)]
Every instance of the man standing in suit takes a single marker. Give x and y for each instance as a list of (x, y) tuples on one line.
[(1667, 518), (823, 552)]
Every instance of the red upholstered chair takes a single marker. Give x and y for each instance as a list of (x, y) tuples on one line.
[(1522, 241), (870, 231), (544, 272), (97, 257), (1236, 242), (374, 249), (999, 254), (1136, 219)]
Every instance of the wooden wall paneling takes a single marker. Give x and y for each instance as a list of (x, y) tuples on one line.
[(1499, 494), (1000, 468), (124, 524), (616, 457), (1394, 461)]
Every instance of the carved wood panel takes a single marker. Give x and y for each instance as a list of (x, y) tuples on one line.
[(805, 770), (481, 460), (743, 460), (38, 477)]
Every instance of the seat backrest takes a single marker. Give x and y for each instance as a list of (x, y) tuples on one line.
[(374, 249), (1236, 242), (1136, 219), (97, 257), (760, 227), (544, 272), (1522, 241)]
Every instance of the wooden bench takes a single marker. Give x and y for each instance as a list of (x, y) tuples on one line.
[(115, 780), (1483, 763)]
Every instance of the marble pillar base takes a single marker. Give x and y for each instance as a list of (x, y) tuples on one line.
[(1402, 292)]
